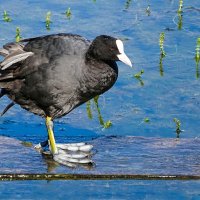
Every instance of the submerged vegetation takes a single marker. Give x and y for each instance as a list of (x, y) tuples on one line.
[(6, 17), (18, 35), (161, 44), (178, 127), (180, 15), (48, 20), (138, 76), (162, 52), (180, 9), (101, 121), (197, 56), (146, 120), (88, 108), (68, 13), (106, 124)]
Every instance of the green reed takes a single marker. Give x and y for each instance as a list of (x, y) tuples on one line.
[(106, 124), (48, 20), (88, 108), (162, 52), (138, 76), (180, 9), (161, 44), (197, 56), (180, 15), (6, 17), (18, 35), (178, 127), (68, 13)]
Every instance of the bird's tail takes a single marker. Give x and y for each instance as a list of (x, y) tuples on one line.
[(2, 93), (13, 53)]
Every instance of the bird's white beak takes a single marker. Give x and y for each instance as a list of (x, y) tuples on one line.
[(122, 56)]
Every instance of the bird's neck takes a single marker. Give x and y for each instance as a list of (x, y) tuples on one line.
[(98, 77)]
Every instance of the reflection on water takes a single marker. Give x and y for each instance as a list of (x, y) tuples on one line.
[(161, 65), (148, 10), (53, 165)]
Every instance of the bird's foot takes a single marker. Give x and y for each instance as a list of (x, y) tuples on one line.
[(69, 154), (73, 154)]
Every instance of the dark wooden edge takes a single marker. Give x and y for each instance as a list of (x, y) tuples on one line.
[(14, 177)]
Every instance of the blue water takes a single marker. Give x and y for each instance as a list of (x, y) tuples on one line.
[(175, 94), (162, 98), (115, 190)]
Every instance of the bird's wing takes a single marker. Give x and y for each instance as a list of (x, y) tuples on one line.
[(24, 58), (13, 53)]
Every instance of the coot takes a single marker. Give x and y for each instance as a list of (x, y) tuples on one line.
[(51, 75)]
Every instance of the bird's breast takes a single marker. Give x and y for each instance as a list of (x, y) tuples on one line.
[(97, 80)]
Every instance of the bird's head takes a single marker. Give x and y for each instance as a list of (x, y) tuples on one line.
[(109, 48)]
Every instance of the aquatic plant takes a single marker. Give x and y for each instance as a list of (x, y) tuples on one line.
[(197, 56), (178, 127), (146, 120), (48, 20), (101, 121), (138, 76), (88, 108), (180, 9), (6, 17), (162, 52), (180, 21), (18, 35), (106, 124), (180, 15), (68, 13), (161, 43)]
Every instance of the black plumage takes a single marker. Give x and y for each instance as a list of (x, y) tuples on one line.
[(52, 75)]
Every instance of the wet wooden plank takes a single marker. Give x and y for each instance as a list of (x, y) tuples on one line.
[(115, 157)]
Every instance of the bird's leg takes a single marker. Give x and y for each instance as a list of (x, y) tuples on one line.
[(49, 124), (66, 154)]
